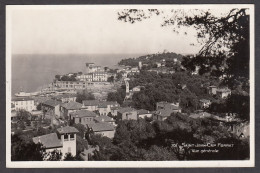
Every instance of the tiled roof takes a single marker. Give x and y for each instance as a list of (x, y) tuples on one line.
[(164, 112), (41, 99), (101, 104), (223, 90), (90, 102), (127, 109), (67, 129), (200, 115), (52, 103), (83, 113), (115, 108), (48, 141), (142, 111), (104, 118), (72, 105), (99, 127)]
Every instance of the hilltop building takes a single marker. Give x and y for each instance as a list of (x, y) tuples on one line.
[(64, 140)]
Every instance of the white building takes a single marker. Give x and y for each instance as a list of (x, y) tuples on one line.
[(64, 140), (23, 104)]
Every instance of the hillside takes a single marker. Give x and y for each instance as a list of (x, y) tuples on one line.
[(151, 59)]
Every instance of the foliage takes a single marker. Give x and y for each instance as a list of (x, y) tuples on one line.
[(117, 96), (22, 150), (84, 95), (69, 157), (54, 155), (151, 60)]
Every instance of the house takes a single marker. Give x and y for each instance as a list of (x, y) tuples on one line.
[(23, 103), (201, 115), (51, 107), (104, 118), (64, 140), (83, 117), (223, 93), (166, 105), (162, 114), (67, 108), (102, 128), (127, 113), (142, 113), (91, 105), (114, 111), (65, 98), (104, 107), (158, 64), (204, 103), (212, 90)]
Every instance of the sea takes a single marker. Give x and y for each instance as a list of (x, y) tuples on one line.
[(31, 72)]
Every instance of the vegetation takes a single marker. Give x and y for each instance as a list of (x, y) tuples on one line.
[(84, 95), (150, 60)]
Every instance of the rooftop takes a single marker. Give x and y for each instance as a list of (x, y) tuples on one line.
[(104, 118), (164, 112), (126, 109), (83, 113), (52, 102), (48, 141), (72, 105), (99, 127), (142, 111), (67, 129)]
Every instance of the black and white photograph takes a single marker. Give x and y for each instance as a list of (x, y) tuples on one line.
[(130, 86)]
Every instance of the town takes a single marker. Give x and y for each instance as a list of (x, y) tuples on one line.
[(138, 111)]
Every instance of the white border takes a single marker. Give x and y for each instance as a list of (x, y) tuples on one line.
[(128, 164)]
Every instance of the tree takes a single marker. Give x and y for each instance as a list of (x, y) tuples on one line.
[(110, 79), (25, 150), (84, 96), (69, 157), (54, 155), (221, 38)]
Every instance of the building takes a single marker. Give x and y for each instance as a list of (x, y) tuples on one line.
[(67, 108), (72, 84), (162, 114), (212, 90), (64, 140), (114, 111), (142, 113), (166, 105), (23, 103), (204, 103), (104, 118), (83, 117), (51, 107), (102, 128), (127, 114), (92, 68), (91, 105), (99, 77), (104, 107), (223, 93), (65, 98)]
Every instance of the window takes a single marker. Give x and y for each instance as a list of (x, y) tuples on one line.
[(72, 137), (66, 137)]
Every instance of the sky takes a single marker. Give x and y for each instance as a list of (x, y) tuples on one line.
[(91, 31)]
